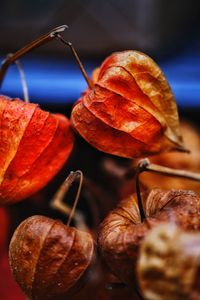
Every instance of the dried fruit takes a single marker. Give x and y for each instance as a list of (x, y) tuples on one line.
[(169, 264), (49, 260), (122, 231), (129, 109), (34, 144)]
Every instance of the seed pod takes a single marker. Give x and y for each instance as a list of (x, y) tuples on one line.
[(169, 264), (122, 231), (50, 260), (129, 109), (34, 145)]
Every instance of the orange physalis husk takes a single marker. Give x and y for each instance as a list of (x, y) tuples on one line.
[(130, 111), (34, 145)]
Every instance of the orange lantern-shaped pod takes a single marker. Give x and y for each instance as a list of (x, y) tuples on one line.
[(34, 144)]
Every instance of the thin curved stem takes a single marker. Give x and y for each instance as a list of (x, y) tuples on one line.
[(75, 54), (153, 168), (162, 170), (77, 174), (146, 166), (139, 169), (34, 44), (57, 200), (23, 80)]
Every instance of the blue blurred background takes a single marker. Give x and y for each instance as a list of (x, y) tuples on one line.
[(167, 30)]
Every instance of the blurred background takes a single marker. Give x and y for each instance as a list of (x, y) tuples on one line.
[(167, 30), (154, 26)]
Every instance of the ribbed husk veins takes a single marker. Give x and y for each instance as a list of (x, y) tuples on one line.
[(122, 231), (130, 111), (48, 259), (34, 145)]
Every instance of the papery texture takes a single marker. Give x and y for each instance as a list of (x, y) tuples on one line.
[(34, 145), (122, 231), (48, 258), (131, 97), (169, 264)]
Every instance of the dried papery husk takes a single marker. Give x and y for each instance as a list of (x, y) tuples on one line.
[(34, 145), (122, 232), (169, 264), (50, 260), (130, 99), (185, 161), (108, 139)]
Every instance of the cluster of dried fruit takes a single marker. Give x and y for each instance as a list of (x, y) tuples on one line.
[(128, 110)]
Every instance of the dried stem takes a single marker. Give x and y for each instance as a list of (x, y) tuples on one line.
[(75, 175), (75, 54), (23, 80), (57, 200), (34, 44), (153, 168), (139, 169), (53, 34), (146, 166)]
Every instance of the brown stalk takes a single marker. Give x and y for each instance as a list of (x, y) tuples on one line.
[(23, 80), (75, 54), (139, 169), (146, 166), (58, 204), (34, 44), (153, 168)]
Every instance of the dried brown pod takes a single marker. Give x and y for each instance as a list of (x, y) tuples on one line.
[(123, 230), (169, 264), (50, 260)]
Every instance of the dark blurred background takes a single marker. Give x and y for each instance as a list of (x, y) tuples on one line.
[(168, 30), (98, 27)]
